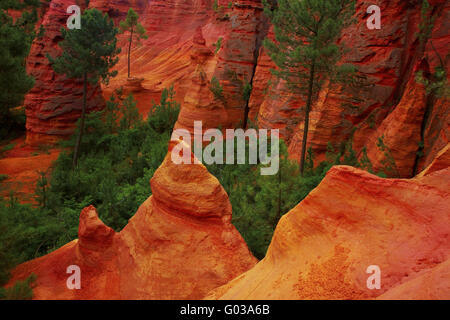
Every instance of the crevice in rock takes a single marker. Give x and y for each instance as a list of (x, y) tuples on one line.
[(262, 30)]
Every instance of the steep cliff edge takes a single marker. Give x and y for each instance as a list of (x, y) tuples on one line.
[(388, 58), (234, 33), (322, 248), (179, 245), (54, 104)]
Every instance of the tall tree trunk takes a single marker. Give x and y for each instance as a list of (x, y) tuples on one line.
[(279, 196), (129, 52), (83, 116), (307, 110)]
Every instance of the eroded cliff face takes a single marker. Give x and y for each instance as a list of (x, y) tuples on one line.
[(388, 58), (232, 33), (322, 248), (54, 104), (180, 244)]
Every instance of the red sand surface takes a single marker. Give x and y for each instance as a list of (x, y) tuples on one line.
[(22, 164)]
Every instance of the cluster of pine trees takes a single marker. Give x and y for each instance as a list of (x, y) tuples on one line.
[(117, 157), (16, 37), (114, 152)]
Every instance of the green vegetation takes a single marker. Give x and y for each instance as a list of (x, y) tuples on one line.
[(6, 148), (88, 53), (130, 114), (113, 153), (15, 42), (436, 82), (26, 233), (116, 161), (22, 290), (114, 168), (259, 201), (220, 10), (388, 162), (131, 25), (246, 92), (218, 45), (306, 50), (216, 88)]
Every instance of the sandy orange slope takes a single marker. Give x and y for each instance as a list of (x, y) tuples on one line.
[(321, 249)]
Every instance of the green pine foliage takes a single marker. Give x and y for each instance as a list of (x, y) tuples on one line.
[(27, 232), (305, 49), (130, 113), (115, 165), (89, 54), (389, 166), (21, 290), (218, 45), (136, 30), (90, 51), (115, 168), (15, 42), (216, 88)]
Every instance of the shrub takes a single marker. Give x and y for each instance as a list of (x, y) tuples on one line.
[(216, 88)]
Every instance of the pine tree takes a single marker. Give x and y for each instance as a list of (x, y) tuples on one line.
[(88, 53), (130, 113), (305, 49), (131, 24)]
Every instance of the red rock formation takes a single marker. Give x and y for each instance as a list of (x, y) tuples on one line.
[(54, 104), (271, 103), (400, 132), (179, 245), (199, 102), (431, 285), (387, 58), (239, 30), (436, 132), (164, 58), (321, 249), (441, 161)]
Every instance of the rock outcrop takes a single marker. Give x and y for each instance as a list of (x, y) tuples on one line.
[(233, 35), (54, 104), (179, 245), (387, 58), (322, 248), (400, 132), (238, 31)]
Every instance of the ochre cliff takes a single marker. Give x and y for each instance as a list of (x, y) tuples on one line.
[(54, 104), (180, 244), (164, 59), (322, 248), (387, 58)]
